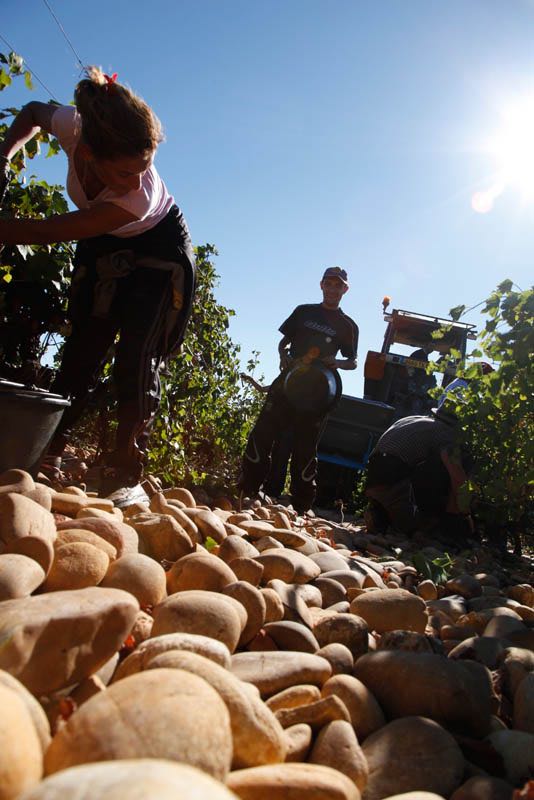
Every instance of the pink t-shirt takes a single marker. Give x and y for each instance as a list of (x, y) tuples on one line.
[(150, 204)]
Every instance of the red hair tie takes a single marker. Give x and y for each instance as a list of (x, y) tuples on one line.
[(110, 81)]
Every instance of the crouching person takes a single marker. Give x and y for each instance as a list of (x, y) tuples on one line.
[(414, 476)]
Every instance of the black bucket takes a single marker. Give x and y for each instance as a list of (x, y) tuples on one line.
[(312, 387), (28, 420)]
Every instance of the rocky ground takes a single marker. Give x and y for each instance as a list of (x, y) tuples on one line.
[(187, 650)]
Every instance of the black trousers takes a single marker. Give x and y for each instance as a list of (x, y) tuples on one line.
[(406, 493), (278, 415), (138, 313), (280, 454)]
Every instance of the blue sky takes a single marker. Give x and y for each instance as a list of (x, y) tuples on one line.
[(308, 133)]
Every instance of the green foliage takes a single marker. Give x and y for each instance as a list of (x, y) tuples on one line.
[(33, 278), (496, 411), (200, 432), (434, 569)]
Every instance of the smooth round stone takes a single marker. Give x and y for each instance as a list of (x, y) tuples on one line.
[(19, 576), (453, 606), (339, 657), (161, 536), (296, 599), (79, 535), (316, 714), (516, 663), (34, 708), (485, 650), (465, 585), (298, 742), (77, 565), (253, 602), (257, 736), (21, 757), (427, 590), (523, 593), (483, 787), (293, 697), (54, 640), (516, 749), (204, 613), (503, 626), (290, 538), (351, 579), (188, 642), (295, 781), (457, 694), (336, 746), (416, 796), (160, 713), (16, 480), (331, 591), (271, 672), (20, 516), (330, 561), (199, 571), (142, 627), (40, 550), (274, 607), (390, 610), (138, 574), (247, 569), (121, 535), (393, 769), (235, 547), (255, 528), (347, 629), (366, 716), (288, 566), (292, 636), (137, 779)]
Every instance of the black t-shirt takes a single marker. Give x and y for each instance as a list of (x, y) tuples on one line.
[(323, 331)]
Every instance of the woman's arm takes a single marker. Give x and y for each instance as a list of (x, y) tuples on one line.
[(30, 119), (102, 218)]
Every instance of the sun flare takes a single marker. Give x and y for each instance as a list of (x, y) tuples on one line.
[(512, 149)]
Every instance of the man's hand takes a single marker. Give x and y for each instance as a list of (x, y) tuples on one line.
[(339, 363), (330, 361)]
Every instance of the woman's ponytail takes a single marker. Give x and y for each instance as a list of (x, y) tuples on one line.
[(115, 121)]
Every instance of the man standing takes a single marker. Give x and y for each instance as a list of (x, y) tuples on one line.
[(313, 334), (414, 474)]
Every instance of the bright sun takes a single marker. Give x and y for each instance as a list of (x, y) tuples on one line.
[(512, 147)]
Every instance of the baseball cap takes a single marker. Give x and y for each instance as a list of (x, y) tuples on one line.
[(336, 272)]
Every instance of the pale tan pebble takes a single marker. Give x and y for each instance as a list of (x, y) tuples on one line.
[(21, 756), (160, 713)]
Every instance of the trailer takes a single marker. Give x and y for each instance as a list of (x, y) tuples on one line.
[(396, 385)]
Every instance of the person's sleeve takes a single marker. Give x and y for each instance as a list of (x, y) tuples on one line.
[(289, 327), (65, 122), (349, 348)]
